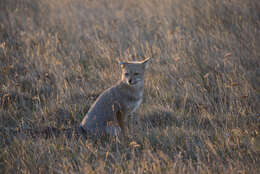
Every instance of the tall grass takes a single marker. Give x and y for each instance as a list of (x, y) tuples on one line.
[(200, 112)]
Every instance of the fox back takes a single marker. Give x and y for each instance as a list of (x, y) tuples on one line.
[(125, 96)]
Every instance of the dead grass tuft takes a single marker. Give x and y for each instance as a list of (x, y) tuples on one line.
[(200, 112)]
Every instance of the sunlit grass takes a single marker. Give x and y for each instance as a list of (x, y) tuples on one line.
[(200, 109)]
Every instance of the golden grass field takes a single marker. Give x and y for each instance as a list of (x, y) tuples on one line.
[(200, 112)]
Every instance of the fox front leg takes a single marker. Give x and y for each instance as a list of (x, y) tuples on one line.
[(120, 119), (113, 130)]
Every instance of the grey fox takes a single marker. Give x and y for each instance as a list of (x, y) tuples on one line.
[(109, 112)]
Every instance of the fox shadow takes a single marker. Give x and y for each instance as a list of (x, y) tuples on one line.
[(8, 136)]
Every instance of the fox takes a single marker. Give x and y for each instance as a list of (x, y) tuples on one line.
[(109, 113)]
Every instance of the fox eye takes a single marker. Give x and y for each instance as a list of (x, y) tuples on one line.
[(136, 74), (126, 74)]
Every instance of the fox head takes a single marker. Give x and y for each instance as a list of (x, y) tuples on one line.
[(133, 72)]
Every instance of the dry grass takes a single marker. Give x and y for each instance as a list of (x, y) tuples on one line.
[(201, 105)]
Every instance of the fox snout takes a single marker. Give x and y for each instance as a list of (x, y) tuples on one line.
[(131, 82)]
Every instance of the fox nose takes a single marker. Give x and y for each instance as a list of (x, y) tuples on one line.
[(130, 81)]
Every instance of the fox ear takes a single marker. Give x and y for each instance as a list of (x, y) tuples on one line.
[(123, 64), (146, 62)]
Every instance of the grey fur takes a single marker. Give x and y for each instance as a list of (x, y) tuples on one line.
[(120, 100)]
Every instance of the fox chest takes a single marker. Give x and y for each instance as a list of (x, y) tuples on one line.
[(133, 106)]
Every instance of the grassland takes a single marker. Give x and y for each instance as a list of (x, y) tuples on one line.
[(200, 112)]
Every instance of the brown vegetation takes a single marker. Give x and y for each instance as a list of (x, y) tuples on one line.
[(200, 112)]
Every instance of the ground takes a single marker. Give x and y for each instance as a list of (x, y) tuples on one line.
[(200, 112)]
